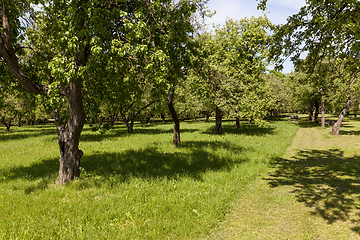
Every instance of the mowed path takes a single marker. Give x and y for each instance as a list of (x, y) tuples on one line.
[(313, 192)]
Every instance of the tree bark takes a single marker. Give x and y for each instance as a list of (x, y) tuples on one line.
[(207, 115), (322, 113), (237, 122), (176, 138), (101, 119), (162, 115), (337, 125), (218, 119), (316, 114), (113, 118), (7, 123), (8, 54), (129, 121), (311, 110), (69, 135)]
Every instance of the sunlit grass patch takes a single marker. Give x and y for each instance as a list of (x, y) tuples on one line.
[(134, 186)]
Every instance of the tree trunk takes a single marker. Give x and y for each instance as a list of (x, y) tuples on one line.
[(237, 122), (162, 115), (207, 114), (7, 124), (175, 118), (19, 121), (322, 113), (69, 135), (337, 125), (129, 121), (311, 110), (101, 119), (113, 118), (316, 114), (218, 119)]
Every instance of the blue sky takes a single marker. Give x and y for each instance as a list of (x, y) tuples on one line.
[(277, 11)]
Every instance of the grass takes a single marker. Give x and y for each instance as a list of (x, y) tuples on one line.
[(132, 186), (312, 192)]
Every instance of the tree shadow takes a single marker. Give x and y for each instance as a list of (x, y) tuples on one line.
[(325, 181), (117, 132), (150, 163), (244, 128), (18, 133), (39, 169), (146, 163)]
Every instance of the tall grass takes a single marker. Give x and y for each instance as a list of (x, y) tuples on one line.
[(134, 186)]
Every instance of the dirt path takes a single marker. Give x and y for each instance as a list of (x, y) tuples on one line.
[(313, 192)]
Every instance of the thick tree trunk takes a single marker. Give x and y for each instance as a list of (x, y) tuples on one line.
[(130, 126), (175, 118), (322, 113), (218, 119), (237, 122), (337, 125), (69, 135), (19, 121)]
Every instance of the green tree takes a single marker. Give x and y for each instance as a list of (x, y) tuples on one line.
[(70, 35), (325, 29), (233, 66)]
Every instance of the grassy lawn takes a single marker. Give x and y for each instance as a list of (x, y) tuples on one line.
[(132, 186), (312, 192)]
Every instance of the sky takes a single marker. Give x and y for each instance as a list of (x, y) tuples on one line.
[(277, 11)]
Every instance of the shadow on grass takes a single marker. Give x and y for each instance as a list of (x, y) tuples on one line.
[(244, 128), (40, 169), (18, 133), (325, 181), (149, 163), (196, 158), (121, 131)]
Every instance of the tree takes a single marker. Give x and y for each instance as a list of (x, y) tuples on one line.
[(175, 38), (322, 29), (233, 66), (69, 35), (281, 92)]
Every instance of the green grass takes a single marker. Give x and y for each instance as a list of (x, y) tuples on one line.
[(312, 192), (132, 186)]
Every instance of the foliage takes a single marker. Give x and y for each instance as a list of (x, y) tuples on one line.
[(233, 63), (323, 29), (280, 92)]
